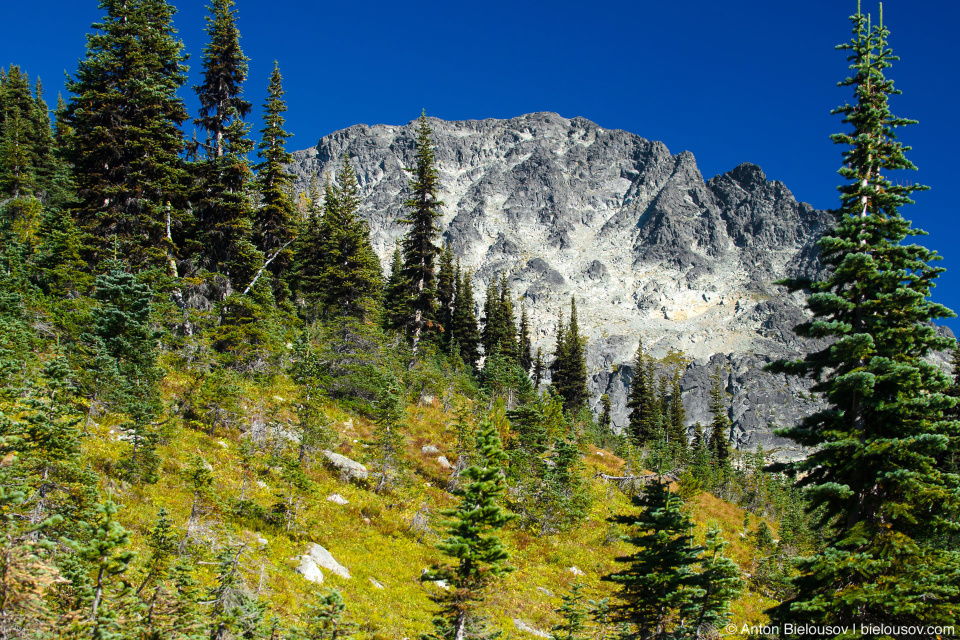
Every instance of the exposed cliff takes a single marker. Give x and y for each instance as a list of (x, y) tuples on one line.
[(649, 248)]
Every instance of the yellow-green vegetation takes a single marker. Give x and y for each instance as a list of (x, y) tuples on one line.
[(381, 539)]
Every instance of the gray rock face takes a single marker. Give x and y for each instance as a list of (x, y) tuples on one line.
[(649, 248)]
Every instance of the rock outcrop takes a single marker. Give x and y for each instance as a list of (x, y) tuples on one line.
[(649, 248), (349, 469)]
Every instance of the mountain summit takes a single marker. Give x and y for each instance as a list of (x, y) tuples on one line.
[(650, 249)]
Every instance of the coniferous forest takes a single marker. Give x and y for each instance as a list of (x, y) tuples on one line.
[(221, 417)]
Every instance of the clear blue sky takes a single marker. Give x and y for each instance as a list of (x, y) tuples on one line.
[(736, 81)]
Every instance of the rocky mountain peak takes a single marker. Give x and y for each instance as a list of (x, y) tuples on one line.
[(564, 206)]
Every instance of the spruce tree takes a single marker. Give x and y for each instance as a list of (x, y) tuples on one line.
[(222, 207), (125, 138), (326, 619), (569, 368), (274, 220), (658, 584), (123, 345), (446, 290), (720, 426), (538, 368), (419, 250), (17, 136), (478, 556), (526, 355), (46, 164), (676, 414), (573, 613), (350, 283), (465, 332), (489, 337), (639, 400), (604, 423), (872, 473), (396, 294), (309, 262), (719, 583), (100, 547)]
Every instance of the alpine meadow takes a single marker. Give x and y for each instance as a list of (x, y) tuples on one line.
[(457, 379)]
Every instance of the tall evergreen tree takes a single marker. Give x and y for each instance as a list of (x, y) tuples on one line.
[(446, 290), (872, 472), (275, 217), (123, 340), (526, 355), (125, 141), (351, 281), (307, 271), (604, 422), (569, 368), (538, 368), (419, 250), (224, 213), (44, 153), (640, 400), (465, 332), (396, 294), (478, 555), (720, 426), (17, 136), (658, 584)]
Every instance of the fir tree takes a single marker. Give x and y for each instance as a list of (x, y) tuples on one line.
[(222, 204), (100, 547), (659, 584), (350, 283), (720, 426), (123, 345), (604, 423), (478, 554), (718, 583), (125, 138), (396, 294), (526, 355), (640, 400), (872, 473), (538, 368), (446, 291), (388, 439), (569, 368), (466, 335), (46, 164), (573, 613), (309, 261), (326, 619), (419, 250), (275, 216), (678, 415), (17, 136)]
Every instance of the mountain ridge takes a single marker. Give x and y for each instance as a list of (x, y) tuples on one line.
[(566, 207)]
